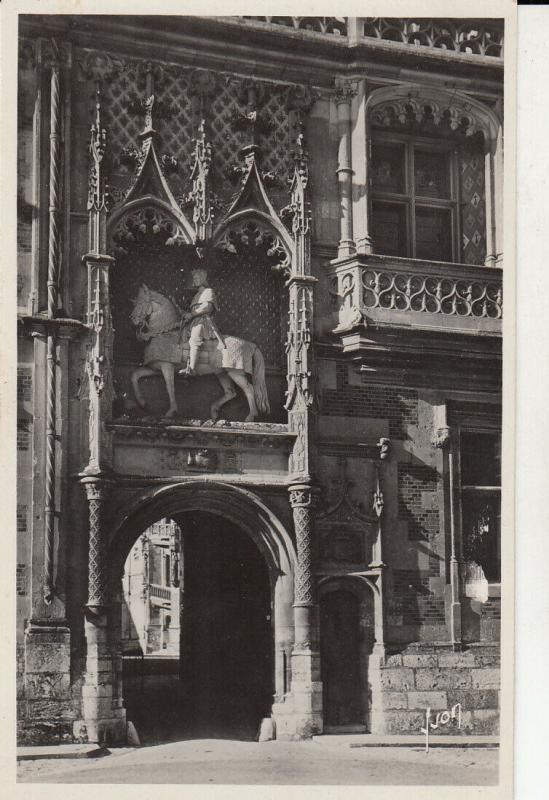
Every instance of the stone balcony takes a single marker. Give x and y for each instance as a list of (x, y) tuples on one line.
[(385, 291), (457, 37)]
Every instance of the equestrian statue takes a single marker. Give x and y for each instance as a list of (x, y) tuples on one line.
[(190, 342)]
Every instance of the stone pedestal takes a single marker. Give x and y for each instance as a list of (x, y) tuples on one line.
[(306, 692), (377, 712), (103, 716), (47, 715)]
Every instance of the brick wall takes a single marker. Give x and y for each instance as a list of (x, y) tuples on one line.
[(24, 384), (22, 518), (398, 406), (416, 483), (21, 580)]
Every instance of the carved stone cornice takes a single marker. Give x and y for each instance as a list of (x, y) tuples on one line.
[(233, 435), (64, 327)]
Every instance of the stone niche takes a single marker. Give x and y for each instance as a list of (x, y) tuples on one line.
[(253, 305)]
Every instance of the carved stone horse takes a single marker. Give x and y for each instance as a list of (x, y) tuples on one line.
[(159, 323)]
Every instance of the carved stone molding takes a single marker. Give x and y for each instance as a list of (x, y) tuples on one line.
[(100, 66), (418, 104)]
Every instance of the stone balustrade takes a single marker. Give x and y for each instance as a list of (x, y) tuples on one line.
[(409, 292), (466, 36), (472, 36), (161, 592)]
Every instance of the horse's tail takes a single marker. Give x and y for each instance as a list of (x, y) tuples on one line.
[(258, 382)]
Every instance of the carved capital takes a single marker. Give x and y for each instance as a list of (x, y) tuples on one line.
[(302, 496), (383, 448), (344, 91), (441, 437), (301, 98)]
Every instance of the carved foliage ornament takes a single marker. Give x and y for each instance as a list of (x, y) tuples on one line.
[(299, 394), (458, 115), (299, 208), (342, 500), (97, 197), (147, 226), (257, 242), (99, 66)]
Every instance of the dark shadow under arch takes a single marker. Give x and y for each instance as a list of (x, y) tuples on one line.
[(239, 579)]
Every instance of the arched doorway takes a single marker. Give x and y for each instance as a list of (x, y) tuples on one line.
[(346, 643), (226, 638), (236, 616)]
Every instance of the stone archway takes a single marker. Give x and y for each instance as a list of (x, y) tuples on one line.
[(240, 509)]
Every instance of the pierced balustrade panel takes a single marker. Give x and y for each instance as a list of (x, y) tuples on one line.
[(332, 26), (430, 294), (384, 293), (474, 37)]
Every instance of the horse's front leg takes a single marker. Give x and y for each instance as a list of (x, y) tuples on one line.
[(228, 394), (239, 377), (137, 374), (168, 371)]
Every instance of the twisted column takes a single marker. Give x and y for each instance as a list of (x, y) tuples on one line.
[(53, 238), (53, 291)]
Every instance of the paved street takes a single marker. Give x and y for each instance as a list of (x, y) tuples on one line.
[(296, 763)]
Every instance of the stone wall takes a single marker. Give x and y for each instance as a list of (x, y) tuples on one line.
[(422, 676)]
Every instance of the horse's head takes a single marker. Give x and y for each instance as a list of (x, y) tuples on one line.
[(154, 310)]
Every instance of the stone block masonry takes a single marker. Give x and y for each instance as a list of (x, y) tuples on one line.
[(414, 680)]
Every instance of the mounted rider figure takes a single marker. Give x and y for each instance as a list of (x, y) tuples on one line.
[(198, 325)]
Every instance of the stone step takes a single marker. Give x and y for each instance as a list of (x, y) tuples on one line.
[(34, 752), (404, 740)]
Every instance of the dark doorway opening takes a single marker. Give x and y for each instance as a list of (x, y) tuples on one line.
[(340, 659), (220, 683)]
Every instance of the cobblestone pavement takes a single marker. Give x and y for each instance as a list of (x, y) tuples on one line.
[(293, 763)]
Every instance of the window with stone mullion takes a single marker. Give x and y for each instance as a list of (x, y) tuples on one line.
[(414, 198)]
